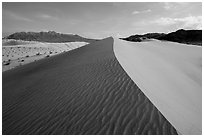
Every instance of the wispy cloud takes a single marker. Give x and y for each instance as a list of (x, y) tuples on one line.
[(135, 12), (168, 5), (138, 12), (11, 15), (189, 22), (46, 16), (140, 23), (174, 5)]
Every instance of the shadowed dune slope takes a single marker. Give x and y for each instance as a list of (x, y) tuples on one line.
[(84, 91)]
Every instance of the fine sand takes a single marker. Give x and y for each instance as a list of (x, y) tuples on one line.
[(170, 75), (17, 52), (83, 91)]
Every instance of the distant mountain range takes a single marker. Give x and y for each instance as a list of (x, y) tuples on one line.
[(50, 36), (181, 36), (139, 38)]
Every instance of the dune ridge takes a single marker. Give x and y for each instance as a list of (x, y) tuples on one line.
[(83, 91)]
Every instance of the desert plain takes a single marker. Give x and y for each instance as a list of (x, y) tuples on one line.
[(83, 91), (18, 52)]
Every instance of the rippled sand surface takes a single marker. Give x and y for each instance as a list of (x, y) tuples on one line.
[(83, 91)]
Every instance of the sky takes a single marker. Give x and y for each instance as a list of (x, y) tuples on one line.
[(100, 20)]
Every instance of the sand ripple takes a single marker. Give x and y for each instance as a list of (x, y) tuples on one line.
[(84, 91)]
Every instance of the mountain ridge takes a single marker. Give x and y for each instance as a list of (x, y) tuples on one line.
[(50, 36), (181, 36)]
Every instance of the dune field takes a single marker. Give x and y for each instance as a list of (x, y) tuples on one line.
[(83, 91), (170, 75), (17, 52)]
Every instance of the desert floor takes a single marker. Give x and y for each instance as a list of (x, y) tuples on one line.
[(83, 91), (26, 52)]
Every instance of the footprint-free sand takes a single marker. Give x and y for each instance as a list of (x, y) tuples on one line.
[(83, 91), (170, 75)]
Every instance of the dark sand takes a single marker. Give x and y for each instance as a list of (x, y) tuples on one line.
[(84, 91)]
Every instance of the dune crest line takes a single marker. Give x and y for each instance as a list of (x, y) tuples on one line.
[(170, 75), (83, 91)]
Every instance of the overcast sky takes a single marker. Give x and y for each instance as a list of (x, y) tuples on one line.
[(100, 20)]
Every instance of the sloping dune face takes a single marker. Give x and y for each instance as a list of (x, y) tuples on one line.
[(84, 91), (170, 75)]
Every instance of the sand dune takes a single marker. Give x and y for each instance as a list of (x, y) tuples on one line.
[(83, 91), (170, 75), (26, 52)]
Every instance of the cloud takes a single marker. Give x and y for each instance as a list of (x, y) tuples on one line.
[(175, 5), (11, 15), (135, 12), (168, 5), (138, 12), (189, 22), (46, 16), (73, 21), (192, 22), (140, 23), (148, 10), (165, 21)]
